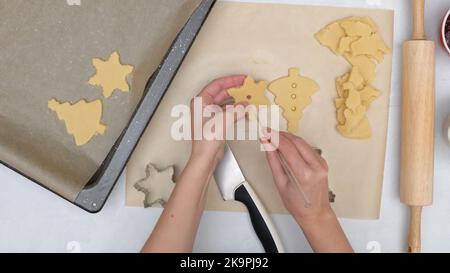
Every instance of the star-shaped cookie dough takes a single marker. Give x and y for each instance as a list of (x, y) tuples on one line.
[(157, 186), (111, 75), (251, 92)]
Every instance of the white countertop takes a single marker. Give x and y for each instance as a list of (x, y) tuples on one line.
[(34, 220)]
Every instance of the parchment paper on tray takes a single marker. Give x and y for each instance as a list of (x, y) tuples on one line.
[(265, 40), (46, 51)]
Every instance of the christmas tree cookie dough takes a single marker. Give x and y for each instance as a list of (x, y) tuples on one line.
[(250, 92), (83, 119), (293, 94), (358, 41), (111, 75), (157, 186)]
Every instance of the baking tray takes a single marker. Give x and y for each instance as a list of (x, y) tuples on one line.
[(94, 194)]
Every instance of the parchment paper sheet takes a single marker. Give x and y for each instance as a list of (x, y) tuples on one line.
[(46, 51), (264, 40)]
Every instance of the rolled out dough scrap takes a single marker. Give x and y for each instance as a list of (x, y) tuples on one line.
[(340, 114), (293, 94), (362, 46), (111, 75), (157, 186), (357, 125), (331, 36), (366, 66), (353, 100), (355, 35), (352, 105), (365, 19), (340, 83), (357, 28), (360, 131), (370, 45), (356, 78), (250, 92), (83, 119), (368, 95), (345, 44)]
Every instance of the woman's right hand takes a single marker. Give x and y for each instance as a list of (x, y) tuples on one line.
[(311, 172), (309, 201)]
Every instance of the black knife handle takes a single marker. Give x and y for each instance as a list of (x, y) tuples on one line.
[(261, 220)]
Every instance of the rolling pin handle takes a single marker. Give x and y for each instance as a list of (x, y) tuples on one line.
[(414, 240), (418, 20)]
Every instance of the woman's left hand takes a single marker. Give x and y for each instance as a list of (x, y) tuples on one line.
[(205, 143)]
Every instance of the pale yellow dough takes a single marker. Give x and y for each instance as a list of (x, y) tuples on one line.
[(111, 75), (365, 65), (358, 41), (293, 94), (251, 92), (354, 99), (83, 119), (331, 36)]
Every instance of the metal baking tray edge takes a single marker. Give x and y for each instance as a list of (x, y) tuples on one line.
[(96, 192)]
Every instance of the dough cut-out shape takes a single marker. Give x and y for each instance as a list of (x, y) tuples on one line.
[(157, 186), (111, 75), (82, 120), (358, 41), (293, 94), (250, 92)]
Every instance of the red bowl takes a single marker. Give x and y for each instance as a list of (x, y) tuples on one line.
[(445, 32)]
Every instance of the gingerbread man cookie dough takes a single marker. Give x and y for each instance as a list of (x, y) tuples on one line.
[(293, 94)]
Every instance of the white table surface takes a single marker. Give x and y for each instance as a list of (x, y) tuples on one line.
[(34, 220)]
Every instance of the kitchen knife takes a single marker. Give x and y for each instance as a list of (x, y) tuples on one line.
[(234, 187)]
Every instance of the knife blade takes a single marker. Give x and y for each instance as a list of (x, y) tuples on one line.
[(234, 187)]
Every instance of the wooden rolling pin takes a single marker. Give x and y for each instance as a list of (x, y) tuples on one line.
[(418, 113)]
